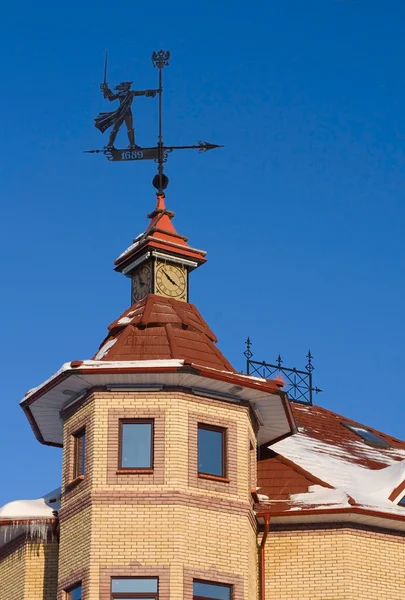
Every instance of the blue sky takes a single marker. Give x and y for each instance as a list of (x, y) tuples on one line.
[(302, 212)]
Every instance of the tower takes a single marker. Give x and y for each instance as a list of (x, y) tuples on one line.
[(160, 478), (159, 260), (159, 435)]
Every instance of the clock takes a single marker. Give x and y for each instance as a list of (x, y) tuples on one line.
[(171, 280), (141, 283)]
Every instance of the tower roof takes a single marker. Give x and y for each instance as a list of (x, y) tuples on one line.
[(162, 328), (160, 235), (158, 343)]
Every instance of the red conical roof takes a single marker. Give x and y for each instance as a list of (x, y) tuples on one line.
[(162, 236), (162, 328)]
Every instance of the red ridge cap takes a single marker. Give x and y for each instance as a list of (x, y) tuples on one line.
[(400, 488)]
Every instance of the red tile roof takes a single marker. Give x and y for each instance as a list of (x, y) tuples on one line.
[(163, 328), (279, 477), (324, 425)]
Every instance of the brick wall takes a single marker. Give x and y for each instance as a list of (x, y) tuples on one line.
[(164, 522), (28, 570), (335, 564)]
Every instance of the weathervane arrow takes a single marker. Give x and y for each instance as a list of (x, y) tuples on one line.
[(123, 114)]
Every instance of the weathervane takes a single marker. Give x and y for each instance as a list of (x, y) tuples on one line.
[(123, 114)]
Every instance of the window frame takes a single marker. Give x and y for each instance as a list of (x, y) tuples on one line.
[(214, 583), (79, 453), (72, 588), (140, 421), (134, 595), (224, 448)]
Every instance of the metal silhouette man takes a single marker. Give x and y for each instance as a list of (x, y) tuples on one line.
[(123, 113)]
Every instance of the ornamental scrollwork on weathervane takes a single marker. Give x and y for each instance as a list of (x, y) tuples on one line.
[(115, 119)]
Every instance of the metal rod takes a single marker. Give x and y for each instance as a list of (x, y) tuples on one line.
[(160, 134), (160, 60)]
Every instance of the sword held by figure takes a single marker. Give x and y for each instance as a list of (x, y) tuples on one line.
[(123, 113)]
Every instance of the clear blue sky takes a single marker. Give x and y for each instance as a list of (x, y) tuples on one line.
[(302, 213)]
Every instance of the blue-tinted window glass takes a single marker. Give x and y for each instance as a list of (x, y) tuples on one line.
[(75, 593), (402, 501), (211, 590), (210, 451), (136, 450), (367, 435), (134, 584)]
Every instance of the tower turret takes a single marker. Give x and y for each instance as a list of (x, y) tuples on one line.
[(159, 260), (159, 434)]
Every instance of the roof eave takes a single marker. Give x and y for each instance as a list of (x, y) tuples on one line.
[(253, 389), (360, 514)]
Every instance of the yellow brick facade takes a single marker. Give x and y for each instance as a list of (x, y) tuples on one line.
[(29, 570), (173, 525), (171, 522), (335, 564)]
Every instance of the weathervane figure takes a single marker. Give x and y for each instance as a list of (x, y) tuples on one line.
[(116, 118), (123, 113)]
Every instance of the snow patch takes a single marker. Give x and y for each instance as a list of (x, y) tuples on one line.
[(132, 246), (132, 364), (27, 509), (104, 349), (64, 367), (125, 320), (335, 466), (320, 495)]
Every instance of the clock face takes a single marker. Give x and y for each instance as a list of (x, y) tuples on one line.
[(141, 283), (171, 281)]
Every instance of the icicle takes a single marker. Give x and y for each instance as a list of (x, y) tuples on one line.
[(34, 530)]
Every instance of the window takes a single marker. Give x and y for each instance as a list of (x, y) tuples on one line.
[(75, 593), (366, 435), (211, 450), (134, 587), (79, 464), (402, 501), (203, 590), (252, 466), (136, 444)]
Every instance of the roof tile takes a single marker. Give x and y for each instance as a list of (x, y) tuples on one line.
[(161, 328)]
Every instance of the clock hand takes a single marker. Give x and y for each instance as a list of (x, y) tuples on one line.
[(169, 278)]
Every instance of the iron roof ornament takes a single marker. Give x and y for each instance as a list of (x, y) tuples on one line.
[(113, 120), (298, 384)]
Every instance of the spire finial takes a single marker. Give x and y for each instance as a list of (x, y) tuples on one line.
[(309, 367), (160, 201)]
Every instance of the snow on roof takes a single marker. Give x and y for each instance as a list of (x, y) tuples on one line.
[(104, 349), (349, 480), (132, 246), (131, 364), (41, 508), (116, 364), (65, 367)]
